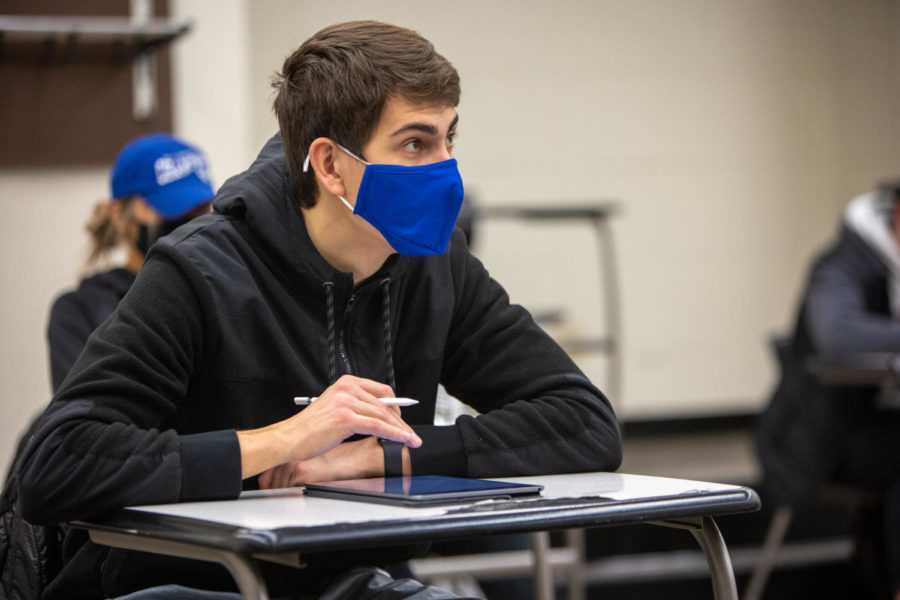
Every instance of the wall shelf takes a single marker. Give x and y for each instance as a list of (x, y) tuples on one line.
[(96, 30), (139, 34)]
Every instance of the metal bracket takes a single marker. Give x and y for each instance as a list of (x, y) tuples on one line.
[(141, 30)]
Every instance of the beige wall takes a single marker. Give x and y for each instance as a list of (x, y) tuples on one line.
[(43, 249), (731, 133)]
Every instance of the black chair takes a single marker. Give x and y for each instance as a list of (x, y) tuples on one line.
[(855, 499)]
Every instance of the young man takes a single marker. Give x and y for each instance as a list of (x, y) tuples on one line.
[(325, 271)]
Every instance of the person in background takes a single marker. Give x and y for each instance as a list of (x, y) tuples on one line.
[(811, 433), (158, 183)]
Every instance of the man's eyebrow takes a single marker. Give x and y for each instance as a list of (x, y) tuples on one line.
[(424, 127)]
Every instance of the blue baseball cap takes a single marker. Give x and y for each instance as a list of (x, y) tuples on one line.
[(171, 175)]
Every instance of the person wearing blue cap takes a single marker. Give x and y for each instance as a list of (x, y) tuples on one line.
[(158, 183)]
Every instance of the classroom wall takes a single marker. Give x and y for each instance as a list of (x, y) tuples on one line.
[(44, 243), (731, 135)]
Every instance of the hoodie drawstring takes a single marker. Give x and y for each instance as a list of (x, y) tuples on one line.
[(329, 315), (386, 317), (386, 330)]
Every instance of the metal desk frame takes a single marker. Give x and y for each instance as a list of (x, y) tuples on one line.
[(597, 214), (177, 531)]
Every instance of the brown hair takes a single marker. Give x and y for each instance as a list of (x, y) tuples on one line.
[(105, 236), (336, 84)]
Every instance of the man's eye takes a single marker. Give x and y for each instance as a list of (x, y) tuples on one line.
[(451, 139), (412, 145)]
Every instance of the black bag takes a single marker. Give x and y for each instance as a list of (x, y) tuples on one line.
[(30, 555)]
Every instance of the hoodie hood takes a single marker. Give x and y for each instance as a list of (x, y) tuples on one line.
[(869, 216), (265, 212), (115, 282), (268, 215)]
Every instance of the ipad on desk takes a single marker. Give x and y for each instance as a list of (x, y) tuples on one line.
[(420, 490)]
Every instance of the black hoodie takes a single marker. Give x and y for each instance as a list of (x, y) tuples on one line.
[(807, 428), (76, 314), (229, 319)]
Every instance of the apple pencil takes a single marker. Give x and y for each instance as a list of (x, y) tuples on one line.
[(305, 400)]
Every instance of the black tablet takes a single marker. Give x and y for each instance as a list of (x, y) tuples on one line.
[(421, 490)]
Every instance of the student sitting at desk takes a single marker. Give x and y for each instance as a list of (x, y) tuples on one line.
[(330, 269), (812, 433)]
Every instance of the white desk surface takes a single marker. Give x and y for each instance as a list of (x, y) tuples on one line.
[(287, 508)]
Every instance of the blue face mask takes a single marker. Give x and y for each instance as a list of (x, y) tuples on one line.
[(413, 208)]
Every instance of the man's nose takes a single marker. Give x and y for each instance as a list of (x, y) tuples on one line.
[(444, 153)]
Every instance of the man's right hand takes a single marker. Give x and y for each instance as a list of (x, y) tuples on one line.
[(348, 407)]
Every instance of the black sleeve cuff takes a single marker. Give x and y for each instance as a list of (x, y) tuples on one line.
[(210, 466), (441, 453)]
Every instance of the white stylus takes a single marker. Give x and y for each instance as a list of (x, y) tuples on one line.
[(304, 400)]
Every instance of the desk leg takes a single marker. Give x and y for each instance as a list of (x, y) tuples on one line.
[(244, 569), (247, 575), (543, 574), (710, 539), (711, 542), (577, 583), (609, 282)]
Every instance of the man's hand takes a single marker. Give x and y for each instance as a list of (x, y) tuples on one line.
[(348, 407), (350, 460)]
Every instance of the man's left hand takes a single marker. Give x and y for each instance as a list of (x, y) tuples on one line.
[(350, 460)]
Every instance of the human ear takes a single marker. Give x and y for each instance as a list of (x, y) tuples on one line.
[(323, 160)]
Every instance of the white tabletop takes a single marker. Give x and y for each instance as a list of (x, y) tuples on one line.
[(286, 508)]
